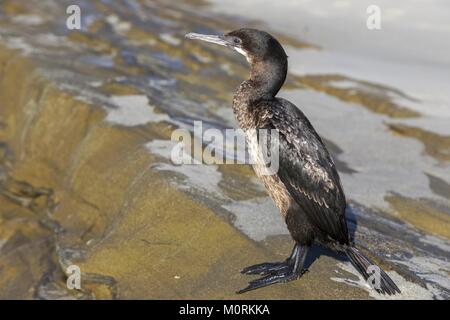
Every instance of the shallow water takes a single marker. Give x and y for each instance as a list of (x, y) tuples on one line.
[(386, 128)]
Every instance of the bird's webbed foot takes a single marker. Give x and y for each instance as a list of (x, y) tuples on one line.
[(277, 272), (267, 268)]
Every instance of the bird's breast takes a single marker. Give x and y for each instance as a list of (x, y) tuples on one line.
[(249, 119), (272, 182)]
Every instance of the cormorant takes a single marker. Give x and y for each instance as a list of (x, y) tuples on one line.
[(306, 188)]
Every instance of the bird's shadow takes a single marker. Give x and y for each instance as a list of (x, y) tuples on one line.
[(316, 250)]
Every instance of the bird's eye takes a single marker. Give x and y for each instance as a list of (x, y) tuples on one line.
[(237, 41)]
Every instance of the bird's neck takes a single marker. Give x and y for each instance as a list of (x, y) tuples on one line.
[(267, 77)]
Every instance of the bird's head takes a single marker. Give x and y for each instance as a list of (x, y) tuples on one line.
[(255, 45), (264, 53)]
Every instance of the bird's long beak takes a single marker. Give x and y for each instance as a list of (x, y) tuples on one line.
[(220, 40)]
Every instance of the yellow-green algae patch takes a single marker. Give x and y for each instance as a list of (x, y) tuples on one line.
[(12, 7), (376, 100), (114, 88), (436, 145), (422, 214)]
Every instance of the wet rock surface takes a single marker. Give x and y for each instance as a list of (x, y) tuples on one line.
[(86, 119)]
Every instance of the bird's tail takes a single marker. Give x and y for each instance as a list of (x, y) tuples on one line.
[(372, 273)]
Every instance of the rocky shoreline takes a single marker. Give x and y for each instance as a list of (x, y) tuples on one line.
[(85, 178)]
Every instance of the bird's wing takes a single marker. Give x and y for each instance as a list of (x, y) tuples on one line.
[(307, 170)]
